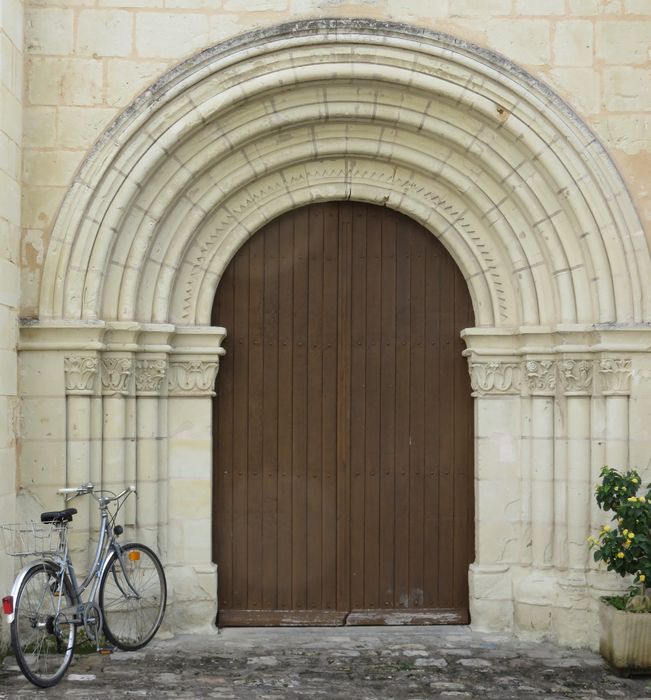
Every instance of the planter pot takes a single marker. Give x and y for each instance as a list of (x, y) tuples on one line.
[(625, 639)]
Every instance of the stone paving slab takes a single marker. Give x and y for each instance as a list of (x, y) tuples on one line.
[(370, 663)]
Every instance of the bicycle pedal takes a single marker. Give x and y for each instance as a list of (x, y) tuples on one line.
[(105, 651)]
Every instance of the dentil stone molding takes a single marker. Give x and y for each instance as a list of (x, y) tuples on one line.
[(80, 374), (541, 377), (576, 376), (115, 375), (192, 377), (495, 377), (149, 375), (615, 376)]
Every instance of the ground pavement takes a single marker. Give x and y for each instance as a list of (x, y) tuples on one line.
[(358, 663)]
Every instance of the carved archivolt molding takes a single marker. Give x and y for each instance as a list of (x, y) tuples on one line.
[(615, 376), (115, 375), (80, 373), (192, 377), (347, 105), (150, 375), (495, 378), (541, 377)]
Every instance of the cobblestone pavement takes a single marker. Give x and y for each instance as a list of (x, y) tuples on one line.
[(360, 663)]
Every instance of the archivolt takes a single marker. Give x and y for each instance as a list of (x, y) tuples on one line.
[(489, 160)]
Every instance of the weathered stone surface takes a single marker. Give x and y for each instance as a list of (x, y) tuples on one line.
[(308, 663)]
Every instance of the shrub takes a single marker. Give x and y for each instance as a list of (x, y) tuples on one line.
[(625, 547)]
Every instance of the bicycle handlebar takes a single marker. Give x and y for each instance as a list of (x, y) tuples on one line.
[(89, 488)]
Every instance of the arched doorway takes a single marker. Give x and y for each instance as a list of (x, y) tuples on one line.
[(343, 489)]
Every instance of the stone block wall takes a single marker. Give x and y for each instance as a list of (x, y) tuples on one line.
[(86, 60), (11, 80)]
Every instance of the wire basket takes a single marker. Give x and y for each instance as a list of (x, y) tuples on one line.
[(33, 539)]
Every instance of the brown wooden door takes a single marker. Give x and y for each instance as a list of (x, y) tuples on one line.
[(343, 489)]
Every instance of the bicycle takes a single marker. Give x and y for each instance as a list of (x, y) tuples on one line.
[(126, 583)]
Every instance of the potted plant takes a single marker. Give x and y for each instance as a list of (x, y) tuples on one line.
[(625, 547)]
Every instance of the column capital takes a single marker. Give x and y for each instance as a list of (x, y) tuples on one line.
[(116, 371), (615, 374), (576, 375), (192, 376), (80, 374), (494, 377), (540, 376), (150, 373)]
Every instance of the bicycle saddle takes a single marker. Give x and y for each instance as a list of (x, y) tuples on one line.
[(58, 516)]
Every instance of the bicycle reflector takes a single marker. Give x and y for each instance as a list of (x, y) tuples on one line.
[(8, 605), (134, 555)]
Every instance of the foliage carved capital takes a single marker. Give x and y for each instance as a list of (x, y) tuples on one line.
[(150, 375), (615, 374), (80, 373), (541, 377), (576, 376), (115, 375), (495, 378), (192, 377)]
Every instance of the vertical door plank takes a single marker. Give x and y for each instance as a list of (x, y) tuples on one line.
[(285, 408), (416, 414), (446, 478), (402, 418), (372, 407), (329, 442), (434, 404), (223, 452), (358, 407), (344, 409), (388, 413), (255, 431), (240, 360), (270, 421), (299, 415), (314, 407)]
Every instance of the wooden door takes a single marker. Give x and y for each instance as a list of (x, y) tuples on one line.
[(343, 430)]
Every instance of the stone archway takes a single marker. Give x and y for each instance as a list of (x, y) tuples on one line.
[(489, 160)]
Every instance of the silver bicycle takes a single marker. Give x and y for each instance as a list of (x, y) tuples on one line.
[(126, 590)]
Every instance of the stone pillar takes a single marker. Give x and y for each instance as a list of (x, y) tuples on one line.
[(193, 366), (80, 378), (150, 373), (534, 592), (498, 521), (573, 616), (116, 373)]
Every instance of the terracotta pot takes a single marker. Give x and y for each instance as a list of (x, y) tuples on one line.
[(625, 639)]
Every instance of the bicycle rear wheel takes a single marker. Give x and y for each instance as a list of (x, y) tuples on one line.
[(42, 632), (132, 597)]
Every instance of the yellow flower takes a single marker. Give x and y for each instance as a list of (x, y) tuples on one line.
[(620, 555), (606, 528), (631, 499), (641, 499), (625, 532), (631, 535), (634, 481), (616, 488), (642, 577)]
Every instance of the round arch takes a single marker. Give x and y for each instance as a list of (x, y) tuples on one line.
[(484, 156), (487, 158)]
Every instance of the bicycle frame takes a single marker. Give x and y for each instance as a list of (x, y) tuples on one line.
[(107, 542)]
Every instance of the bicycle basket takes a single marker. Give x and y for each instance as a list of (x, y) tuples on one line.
[(33, 539)]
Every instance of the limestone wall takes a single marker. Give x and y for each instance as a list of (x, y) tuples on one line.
[(87, 59), (11, 78)]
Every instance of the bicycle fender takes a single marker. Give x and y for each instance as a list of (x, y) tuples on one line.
[(36, 564)]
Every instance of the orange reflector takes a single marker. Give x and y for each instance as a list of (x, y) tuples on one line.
[(134, 555)]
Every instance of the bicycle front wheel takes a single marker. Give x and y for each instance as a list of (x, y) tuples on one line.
[(132, 597), (42, 632)]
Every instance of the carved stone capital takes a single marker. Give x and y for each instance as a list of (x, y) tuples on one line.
[(615, 374), (541, 377), (192, 377), (149, 375), (576, 377), (495, 378), (115, 375), (80, 374)]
